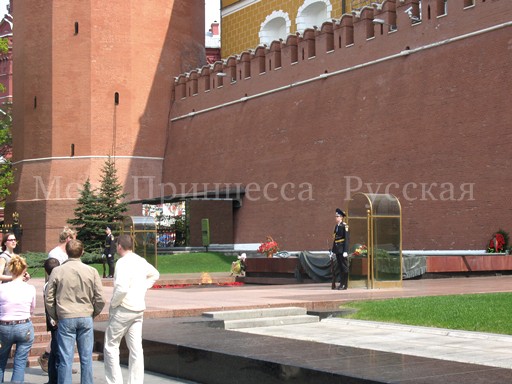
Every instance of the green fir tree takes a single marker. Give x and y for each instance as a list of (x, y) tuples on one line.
[(111, 198), (88, 220), (98, 209)]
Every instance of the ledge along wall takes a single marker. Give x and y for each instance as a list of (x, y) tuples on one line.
[(421, 112)]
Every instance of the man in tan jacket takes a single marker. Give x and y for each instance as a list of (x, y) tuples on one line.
[(74, 296)]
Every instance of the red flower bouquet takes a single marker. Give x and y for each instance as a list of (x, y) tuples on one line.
[(269, 247), (498, 242)]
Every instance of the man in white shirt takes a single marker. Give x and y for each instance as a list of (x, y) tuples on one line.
[(133, 276), (59, 252)]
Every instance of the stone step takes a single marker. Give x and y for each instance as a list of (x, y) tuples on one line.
[(256, 313), (37, 349), (39, 327), (270, 321), (42, 337)]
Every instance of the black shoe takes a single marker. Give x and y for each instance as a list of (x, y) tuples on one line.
[(342, 288)]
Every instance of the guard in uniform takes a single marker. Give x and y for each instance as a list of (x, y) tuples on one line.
[(109, 251), (340, 247)]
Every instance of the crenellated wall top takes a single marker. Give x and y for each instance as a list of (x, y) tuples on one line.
[(394, 27)]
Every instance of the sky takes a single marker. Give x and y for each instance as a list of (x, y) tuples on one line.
[(3, 7), (211, 12)]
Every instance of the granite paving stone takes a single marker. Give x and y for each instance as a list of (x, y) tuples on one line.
[(180, 343)]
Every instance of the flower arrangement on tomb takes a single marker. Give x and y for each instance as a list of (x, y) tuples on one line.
[(498, 242), (238, 266), (360, 250), (269, 247)]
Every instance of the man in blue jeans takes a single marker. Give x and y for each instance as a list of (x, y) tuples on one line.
[(74, 296)]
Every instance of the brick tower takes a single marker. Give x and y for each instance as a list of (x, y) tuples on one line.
[(93, 79)]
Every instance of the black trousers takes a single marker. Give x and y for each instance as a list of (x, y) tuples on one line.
[(111, 265), (343, 268), (53, 359)]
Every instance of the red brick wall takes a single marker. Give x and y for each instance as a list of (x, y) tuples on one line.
[(424, 126), (220, 216), (126, 47)]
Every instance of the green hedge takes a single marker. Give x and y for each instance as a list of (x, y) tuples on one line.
[(35, 261)]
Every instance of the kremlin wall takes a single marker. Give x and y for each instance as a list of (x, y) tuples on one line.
[(406, 97), (92, 79), (413, 104)]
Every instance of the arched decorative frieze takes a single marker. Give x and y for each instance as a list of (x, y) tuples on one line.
[(313, 12), (276, 26)]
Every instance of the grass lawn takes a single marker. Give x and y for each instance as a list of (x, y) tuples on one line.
[(195, 262), (475, 312), (177, 263), (189, 263)]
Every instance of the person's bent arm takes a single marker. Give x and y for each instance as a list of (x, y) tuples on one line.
[(2, 268), (152, 275), (49, 300), (98, 300)]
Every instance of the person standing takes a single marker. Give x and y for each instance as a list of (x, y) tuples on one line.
[(8, 245), (17, 304), (52, 358), (340, 248), (74, 296), (109, 251), (133, 277), (59, 252)]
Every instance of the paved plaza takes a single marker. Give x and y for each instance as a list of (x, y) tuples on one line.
[(171, 312)]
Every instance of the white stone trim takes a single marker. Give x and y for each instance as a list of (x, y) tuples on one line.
[(267, 33), (229, 10), (304, 21), (91, 157)]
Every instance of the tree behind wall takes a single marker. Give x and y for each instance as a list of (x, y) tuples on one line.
[(98, 209), (6, 176), (4, 48), (87, 221), (111, 200)]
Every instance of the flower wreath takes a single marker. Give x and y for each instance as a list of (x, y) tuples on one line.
[(498, 242)]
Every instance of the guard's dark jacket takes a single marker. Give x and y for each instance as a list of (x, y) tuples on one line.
[(110, 245), (340, 243)]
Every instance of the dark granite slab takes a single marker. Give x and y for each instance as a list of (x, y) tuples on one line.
[(199, 350)]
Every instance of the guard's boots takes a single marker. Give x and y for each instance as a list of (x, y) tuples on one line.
[(344, 281)]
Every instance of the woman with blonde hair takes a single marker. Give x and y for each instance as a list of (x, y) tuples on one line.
[(17, 304)]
